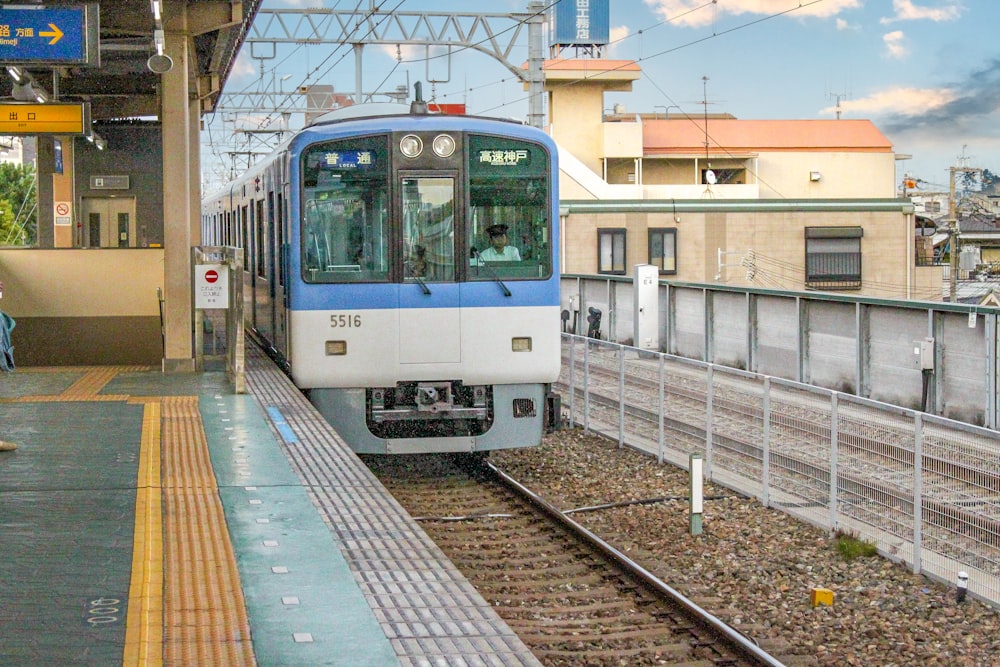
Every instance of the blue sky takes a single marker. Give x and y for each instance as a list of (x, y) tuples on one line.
[(926, 72)]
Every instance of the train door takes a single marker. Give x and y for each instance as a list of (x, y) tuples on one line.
[(429, 316), (109, 222), (265, 275), (281, 273)]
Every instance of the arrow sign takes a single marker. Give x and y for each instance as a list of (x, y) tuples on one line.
[(59, 34), (55, 34)]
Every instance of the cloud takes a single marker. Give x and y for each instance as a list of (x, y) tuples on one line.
[(896, 101), (907, 11), (243, 67), (954, 109), (616, 35), (296, 4), (844, 25), (697, 13), (895, 46)]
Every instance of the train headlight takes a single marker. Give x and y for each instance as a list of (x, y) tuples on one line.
[(336, 348), (520, 344), (444, 145), (411, 146)]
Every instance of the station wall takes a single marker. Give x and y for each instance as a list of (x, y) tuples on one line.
[(83, 307)]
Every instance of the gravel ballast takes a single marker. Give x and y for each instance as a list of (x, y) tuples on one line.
[(755, 567)]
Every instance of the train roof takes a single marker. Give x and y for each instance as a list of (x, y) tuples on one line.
[(377, 109), (362, 111)]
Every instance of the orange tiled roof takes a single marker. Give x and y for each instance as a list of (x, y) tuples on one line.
[(683, 136)]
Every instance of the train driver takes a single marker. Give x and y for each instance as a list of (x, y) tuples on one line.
[(499, 251)]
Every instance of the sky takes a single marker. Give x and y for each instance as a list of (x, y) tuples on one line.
[(925, 72)]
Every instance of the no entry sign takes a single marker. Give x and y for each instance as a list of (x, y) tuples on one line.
[(211, 286)]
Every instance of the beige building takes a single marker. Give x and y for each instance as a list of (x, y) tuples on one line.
[(783, 204)]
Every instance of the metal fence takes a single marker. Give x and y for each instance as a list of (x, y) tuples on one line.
[(923, 489)]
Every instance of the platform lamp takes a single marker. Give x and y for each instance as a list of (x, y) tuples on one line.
[(159, 62), (25, 89), (93, 137)]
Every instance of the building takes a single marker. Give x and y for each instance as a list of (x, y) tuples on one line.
[(786, 204)]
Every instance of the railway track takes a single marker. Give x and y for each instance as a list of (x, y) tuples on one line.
[(961, 484), (571, 597)]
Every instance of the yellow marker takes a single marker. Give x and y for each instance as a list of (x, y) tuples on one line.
[(144, 621), (818, 596)]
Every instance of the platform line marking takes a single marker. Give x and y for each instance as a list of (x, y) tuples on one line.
[(144, 621), (94, 380), (281, 424)]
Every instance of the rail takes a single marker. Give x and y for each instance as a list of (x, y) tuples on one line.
[(924, 489), (739, 641)]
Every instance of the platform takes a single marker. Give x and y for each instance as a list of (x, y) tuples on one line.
[(160, 519)]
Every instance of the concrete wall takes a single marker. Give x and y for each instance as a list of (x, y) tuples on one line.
[(851, 344), (83, 307)]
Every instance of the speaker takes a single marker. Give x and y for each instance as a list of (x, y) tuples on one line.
[(161, 64)]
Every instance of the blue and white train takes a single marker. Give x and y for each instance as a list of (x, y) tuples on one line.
[(369, 274)]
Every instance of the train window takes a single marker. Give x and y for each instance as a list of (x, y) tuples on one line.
[(510, 201), (428, 205), (345, 228)]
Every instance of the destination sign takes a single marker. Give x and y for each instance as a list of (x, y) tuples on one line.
[(37, 34), (51, 118), (363, 159), (504, 157)]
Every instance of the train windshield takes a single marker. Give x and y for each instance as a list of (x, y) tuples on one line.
[(428, 208), (366, 219), (509, 196), (345, 230)]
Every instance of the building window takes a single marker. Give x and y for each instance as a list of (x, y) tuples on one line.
[(663, 249), (611, 251), (833, 257)]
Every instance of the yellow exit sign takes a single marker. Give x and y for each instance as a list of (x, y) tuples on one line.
[(51, 118)]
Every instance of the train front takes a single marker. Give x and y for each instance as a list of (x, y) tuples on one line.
[(424, 281)]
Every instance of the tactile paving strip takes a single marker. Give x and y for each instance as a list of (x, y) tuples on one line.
[(205, 618)]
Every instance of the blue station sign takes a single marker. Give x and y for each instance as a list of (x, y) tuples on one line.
[(582, 22), (39, 34)]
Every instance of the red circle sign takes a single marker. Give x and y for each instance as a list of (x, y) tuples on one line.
[(62, 208), (211, 275)]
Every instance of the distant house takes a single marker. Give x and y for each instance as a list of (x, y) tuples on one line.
[(787, 204)]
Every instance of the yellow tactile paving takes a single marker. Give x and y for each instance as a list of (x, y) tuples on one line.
[(144, 624), (205, 618), (186, 604), (87, 388), (92, 382)]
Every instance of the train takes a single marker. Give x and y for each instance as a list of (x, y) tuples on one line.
[(402, 266)]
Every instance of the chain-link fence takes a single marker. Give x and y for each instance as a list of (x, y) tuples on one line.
[(925, 490)]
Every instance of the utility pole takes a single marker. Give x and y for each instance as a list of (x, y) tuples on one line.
[(953, 230)]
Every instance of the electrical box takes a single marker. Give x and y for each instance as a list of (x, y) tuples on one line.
[(924, 351), (646, 306)]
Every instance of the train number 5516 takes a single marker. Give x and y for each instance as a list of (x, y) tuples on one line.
[(345, 321)]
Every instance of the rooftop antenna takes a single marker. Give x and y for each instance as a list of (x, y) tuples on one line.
[(709, 174), (704, 106), (838, 97)]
